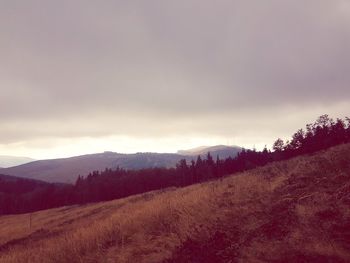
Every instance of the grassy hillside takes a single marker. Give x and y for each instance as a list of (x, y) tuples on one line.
[(291, 211)]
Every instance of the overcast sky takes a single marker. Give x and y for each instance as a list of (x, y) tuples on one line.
[(79, 76)]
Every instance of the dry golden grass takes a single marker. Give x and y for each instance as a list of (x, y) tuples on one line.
[(283, 212)]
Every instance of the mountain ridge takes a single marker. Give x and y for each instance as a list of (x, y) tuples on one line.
[(67, 170), (222, 151)]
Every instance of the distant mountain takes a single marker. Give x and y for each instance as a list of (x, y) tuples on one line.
[(222, 151), (66, 170), (9, 161)]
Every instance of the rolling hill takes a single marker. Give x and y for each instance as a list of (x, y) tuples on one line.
[(67, 170), (289, 211), (9, 161)]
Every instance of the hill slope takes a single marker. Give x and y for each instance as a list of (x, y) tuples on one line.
[(66, 170), (222, 151), (291, 211), (21, 195)]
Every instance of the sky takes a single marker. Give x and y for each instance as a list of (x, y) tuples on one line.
[(83, 76)]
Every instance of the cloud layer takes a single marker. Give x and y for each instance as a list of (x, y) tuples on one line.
[(146, 69)]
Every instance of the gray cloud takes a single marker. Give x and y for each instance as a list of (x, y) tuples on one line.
[(145, 68)]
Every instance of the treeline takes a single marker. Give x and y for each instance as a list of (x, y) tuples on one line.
[(118, 183), (322, 134), (113, 184)]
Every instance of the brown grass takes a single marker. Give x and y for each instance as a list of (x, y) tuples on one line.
[(293, 211)]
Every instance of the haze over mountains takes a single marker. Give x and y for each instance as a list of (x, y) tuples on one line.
[(9, 161), (67, 170)]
